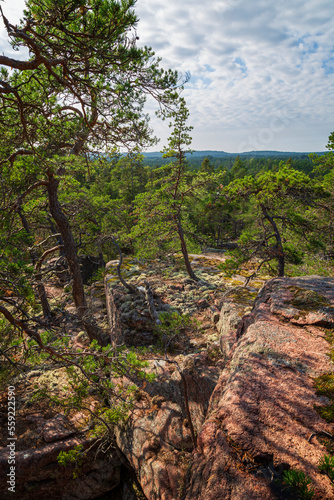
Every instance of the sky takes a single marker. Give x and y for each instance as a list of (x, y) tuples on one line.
[(262, 71)]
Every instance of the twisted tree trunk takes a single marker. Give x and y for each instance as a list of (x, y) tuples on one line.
[(185, 252), (278, 246), (93, 331)]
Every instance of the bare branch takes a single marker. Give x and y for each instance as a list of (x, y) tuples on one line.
[(122, 280), (72, 108), (45, 254), (36, 185), (19, 152), (44, 241), (30, 65), (150, 302)]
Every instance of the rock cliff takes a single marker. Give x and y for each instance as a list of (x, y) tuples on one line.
[(233, 404), (262, 418)]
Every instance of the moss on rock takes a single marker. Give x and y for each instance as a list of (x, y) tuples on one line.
[(307, 300)]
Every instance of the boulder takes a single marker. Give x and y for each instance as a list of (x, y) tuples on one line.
[(157, 438), (38, 474), (128, 315), (231, 315), (41, 434), (261, 419)]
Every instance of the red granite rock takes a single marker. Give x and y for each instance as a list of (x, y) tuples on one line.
[(202, 303), (214, 314), (261, 414), (56, 429), (39, 476), (157, 439), (154, 442), (231, 315)]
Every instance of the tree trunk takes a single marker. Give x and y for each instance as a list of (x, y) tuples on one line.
[(59, 238), (278, 247), (93, 332), (185, 252)]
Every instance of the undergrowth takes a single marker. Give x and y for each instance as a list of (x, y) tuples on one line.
[(297, 481)]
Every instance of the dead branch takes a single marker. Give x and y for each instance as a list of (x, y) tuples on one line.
[(45, 254), (150, 303), (55, 235), (19, 152), (122, 280)]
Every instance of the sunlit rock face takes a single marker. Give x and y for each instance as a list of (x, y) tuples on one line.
[(262, 417)]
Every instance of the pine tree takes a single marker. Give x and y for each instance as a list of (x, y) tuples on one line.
[(81, 91), (161, 215)]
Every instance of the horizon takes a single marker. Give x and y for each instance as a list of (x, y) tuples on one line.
[(247, 152)]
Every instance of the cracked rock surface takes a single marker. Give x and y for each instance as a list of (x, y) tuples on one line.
[(261, 414)]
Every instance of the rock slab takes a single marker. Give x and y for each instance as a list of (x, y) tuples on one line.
[(261, 415), (156, 439)]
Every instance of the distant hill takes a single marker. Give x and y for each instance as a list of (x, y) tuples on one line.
[(226, 160), (247, 154), (279, 154)]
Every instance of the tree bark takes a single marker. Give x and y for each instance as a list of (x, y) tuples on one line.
[(278, 247), (59, 238), (93, 332), (150, 303), (185, 252), (120, 277)]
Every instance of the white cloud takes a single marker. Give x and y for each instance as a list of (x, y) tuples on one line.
[(262, 71), (13, 10), (249, 61)]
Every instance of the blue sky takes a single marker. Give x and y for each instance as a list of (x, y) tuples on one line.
[(262, 72)]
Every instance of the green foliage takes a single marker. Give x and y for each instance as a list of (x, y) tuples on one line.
[(80, 93), (293, 254), (96, 45), (233, 263), (171, 328), (10, 344), (323, 164), (73, 458), (313, 263), (209, 212), (299, 482), (253, 163), (279, 218), (206, 166), (163, 219), (238, 170), (97, 276), (160, 211), (324, 386), (326, 466), (115, 415)]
